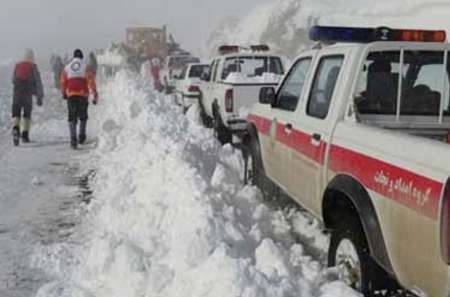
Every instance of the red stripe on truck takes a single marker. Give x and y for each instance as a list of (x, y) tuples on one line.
[(405, 187)]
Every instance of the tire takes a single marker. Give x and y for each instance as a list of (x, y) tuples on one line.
[(207, 121), (349, 253), (253, 170), (223, 134)]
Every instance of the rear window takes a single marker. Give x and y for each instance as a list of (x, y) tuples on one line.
[(421, 77), (197, 70), (252, 66)]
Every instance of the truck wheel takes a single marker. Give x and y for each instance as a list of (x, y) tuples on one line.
[(254, 174), (223, 134), (206, 119), (349, 253)]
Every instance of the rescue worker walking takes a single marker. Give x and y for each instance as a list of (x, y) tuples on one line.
[(77, 83), (27, 83)]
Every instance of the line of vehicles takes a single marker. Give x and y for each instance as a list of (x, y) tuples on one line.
[(357, 132)]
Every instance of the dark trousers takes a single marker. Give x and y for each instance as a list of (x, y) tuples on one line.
[(22, 103), (78, 111), (78, 108)]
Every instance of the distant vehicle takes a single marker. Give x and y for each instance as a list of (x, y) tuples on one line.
[(173, 68), (236, 77), (188, 84), (358, 134)]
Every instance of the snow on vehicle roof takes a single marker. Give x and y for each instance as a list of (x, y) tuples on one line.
[(265, 78), (251, 54)]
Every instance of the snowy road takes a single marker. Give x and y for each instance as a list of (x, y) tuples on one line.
[(39, 196)]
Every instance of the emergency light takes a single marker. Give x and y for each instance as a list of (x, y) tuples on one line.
[(229, 49), (365, 35), (260, 48)]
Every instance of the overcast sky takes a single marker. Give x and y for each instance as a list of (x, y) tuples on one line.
[(61, 25)]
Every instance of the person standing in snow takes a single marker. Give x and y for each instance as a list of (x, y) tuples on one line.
[(27, 83), (77, 83)]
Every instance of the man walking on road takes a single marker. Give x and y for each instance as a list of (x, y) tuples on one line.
[(77, 82), (27, 83)]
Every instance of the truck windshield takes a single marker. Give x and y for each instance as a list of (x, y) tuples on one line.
[(421, 76), (252, 66)]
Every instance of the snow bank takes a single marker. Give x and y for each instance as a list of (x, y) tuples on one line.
[(171, 217)]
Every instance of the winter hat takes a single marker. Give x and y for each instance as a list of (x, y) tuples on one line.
[(78, 54), (29, 55)]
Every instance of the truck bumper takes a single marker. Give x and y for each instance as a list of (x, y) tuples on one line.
[(237, 125)]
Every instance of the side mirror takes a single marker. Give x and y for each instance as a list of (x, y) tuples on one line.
[(205, 76), (267, 95)]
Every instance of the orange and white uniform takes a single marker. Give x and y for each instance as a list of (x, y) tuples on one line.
[(78, 79)]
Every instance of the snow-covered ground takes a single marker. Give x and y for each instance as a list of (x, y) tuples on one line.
[(41, 194), (170, 216)]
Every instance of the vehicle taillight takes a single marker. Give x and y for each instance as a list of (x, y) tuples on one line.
[(229, 98), (193, 89), (445, 224)]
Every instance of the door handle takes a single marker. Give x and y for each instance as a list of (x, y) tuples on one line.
[(316, 139), (288, 128)]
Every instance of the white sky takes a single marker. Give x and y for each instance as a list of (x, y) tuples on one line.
[(61, 25)]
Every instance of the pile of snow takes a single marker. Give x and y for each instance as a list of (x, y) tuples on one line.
[(265, 78), (171, 217), (284, 24)]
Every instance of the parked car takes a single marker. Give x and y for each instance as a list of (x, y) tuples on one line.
[(358, 135), (237, 75)]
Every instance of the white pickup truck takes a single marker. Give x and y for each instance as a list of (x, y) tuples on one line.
[(188, 84), (358, 134), (236, 77)]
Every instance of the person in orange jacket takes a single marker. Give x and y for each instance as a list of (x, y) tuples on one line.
[(77, 83)]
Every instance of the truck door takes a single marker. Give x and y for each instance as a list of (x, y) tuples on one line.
[(311, 131), (284, 112)]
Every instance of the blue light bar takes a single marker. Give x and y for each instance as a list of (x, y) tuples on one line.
[(340, 34), (366, 35)]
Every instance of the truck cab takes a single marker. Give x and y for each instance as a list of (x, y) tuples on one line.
[(357, 134), (236, 76)]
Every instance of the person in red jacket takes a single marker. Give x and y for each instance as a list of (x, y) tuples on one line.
[(77, 83), (27, 83)]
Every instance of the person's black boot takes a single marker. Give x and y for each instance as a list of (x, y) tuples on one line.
[(82, 136), (25, 137), (82, 139), (73, 134), (74, 143), (16, 135)]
